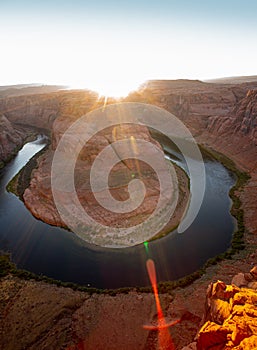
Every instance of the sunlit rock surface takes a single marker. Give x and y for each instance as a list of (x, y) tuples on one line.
[(230, 320)]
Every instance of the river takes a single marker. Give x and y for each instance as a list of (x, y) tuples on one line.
[(57, 253)]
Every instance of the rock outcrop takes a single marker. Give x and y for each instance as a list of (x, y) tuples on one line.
[(240, 122), (230, 320), (193, 101), (11, 139), (41, 110), (237, 130), (37, 315), (221, 117), (33, 110)]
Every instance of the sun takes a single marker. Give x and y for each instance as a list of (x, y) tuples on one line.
[(108, 88)]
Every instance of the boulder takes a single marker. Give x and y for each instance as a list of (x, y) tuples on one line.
[(239, 280), (230, 320)]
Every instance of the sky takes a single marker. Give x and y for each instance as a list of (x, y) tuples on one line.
[(113, 46)]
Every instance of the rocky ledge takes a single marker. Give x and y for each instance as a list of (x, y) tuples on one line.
[(230, 319), (37, 315)]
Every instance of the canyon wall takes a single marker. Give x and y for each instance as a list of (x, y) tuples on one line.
[(220, 116), (40, 110), (236, 131), (194, 102), (11, 139), (33, 110)]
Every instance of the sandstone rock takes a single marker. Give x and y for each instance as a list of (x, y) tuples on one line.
[(222, 117), (11, 139), (191, 346), (211, 335), (253, 272), (220, 310), (234, 328), (41, 110), (241, 120), (248, 343), (239, 299), (239, 280), (252, 285), (248, 277), (195, 102)]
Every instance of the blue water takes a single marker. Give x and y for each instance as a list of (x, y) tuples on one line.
[(59, 254)]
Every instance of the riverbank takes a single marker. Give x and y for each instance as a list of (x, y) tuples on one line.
[(43, 315), (26, 135), (34, 168), (237, 243), (182, 299), (18, 184), (166, 286), (242, 178)]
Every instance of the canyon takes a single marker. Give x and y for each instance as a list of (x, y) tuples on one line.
[(222, 117)]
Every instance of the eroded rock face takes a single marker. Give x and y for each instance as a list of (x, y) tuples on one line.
[(220, 116), (41, 110), (11, 139), (242, 119), (33, 110), (230, 320), (236, 132), (194, 102)]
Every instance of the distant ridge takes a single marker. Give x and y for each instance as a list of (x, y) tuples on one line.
[(233, 80), (28, 89), (18, 86)]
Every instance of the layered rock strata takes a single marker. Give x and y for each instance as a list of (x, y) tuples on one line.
[(12, 138)]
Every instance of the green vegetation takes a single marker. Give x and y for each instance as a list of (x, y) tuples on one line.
[(237, 243), (31, 136), (9, 268), (12, 185)]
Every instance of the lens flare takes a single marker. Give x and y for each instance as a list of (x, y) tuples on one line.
[(164, 338), (146, 245)]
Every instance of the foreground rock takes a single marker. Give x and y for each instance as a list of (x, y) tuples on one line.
[(230, 319), (36, 315)]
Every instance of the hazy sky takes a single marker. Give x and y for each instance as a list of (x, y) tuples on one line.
[(114, 45)]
